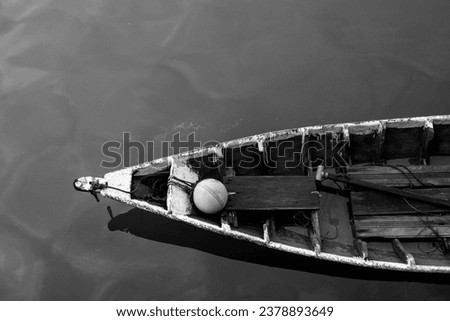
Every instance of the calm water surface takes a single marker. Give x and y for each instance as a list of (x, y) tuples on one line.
[(75, 74)]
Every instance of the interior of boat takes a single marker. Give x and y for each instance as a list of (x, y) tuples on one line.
[(275, 195), (151, 188)]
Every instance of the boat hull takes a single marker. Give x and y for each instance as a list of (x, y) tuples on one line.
[(180, 210)]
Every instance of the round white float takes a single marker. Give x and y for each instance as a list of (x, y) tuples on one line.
[(210, 196)]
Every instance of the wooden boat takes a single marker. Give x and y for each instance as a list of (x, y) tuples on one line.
[(372, 194)]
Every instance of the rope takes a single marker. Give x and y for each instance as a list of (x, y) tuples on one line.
[(298, 222), (188, 187), (415, 176), (335, 236), (399, 168), (442, 245)]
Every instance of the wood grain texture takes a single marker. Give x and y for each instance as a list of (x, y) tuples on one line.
[(388, 176), (271, 193), (377, 203), (378, 215), (413, 232), (403, 226)]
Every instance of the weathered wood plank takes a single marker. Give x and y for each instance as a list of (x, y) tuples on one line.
[(271, 193), (403, 226), (417, 169), (413, 232), (403, 220), (376, 203), (407, 194), (388, 176)]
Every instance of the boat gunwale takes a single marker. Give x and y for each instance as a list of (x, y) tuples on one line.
[(285, 134)]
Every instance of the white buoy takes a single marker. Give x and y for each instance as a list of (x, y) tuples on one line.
[(210, 196)]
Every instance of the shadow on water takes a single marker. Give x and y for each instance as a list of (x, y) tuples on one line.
[(158, 228)]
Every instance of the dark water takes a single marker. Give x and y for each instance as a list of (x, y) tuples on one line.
[(75, 74)]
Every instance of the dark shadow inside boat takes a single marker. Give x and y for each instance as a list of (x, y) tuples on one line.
[(160, 229), (151, 188)]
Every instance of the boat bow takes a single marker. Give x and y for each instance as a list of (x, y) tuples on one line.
[(90, 184)]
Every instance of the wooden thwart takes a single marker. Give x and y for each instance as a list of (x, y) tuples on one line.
[(276, 193), (393, 232), (271, 193)]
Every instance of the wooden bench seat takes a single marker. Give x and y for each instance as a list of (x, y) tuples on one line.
[(271, 193), (379, 215), (263, 193)]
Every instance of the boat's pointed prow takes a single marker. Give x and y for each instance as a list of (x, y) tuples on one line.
[(89, 184)]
